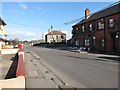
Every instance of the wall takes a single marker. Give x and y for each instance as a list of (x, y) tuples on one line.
[(1, 29), (9, 51)]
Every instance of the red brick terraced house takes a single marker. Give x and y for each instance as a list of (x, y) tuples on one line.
[(99, 31)]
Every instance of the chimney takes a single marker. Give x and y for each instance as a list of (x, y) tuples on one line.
[(87, 13), (48, 30), (60, 30)]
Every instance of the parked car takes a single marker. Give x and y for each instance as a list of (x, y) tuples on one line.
[(83, 48), (76, 49)]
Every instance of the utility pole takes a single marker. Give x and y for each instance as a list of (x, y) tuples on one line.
[(52, 33), (42, 38)]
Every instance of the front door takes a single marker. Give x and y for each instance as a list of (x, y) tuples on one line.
[(114, 43)]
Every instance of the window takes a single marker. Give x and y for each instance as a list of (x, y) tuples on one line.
[(77, 42), (102, 43), (83, 28), (76, 30), (87, 41), (62, 37), (117, 36), (110, 23), (56, 37), (94, 41), (100, 25), (91, 28)]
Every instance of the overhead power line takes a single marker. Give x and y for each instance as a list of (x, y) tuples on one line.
[(27, 24), (73, 21), (79, 19)]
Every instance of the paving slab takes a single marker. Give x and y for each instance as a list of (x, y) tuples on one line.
[(32, 74), (40, 83), (35, 77)]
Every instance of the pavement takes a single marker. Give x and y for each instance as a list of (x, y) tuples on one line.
[(5, 65), (38, 75)]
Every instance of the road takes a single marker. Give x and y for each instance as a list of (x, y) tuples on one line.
[(80, 70)]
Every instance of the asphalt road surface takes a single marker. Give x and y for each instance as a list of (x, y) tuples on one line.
[(80, 70)]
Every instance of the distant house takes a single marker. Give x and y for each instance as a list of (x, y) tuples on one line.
[(99, 31), (2, 32), (33, 42), (55, 36)]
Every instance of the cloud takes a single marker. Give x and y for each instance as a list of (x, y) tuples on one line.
[(24, 6), (21, 34)]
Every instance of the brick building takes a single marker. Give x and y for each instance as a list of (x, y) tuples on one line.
[(99, 31)]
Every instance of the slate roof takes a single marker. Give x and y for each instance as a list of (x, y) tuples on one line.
[(55, 32), (114, 9), (2, 21)]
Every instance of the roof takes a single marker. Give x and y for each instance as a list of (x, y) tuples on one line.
[(55, 32), (114, 9), (2, 21)]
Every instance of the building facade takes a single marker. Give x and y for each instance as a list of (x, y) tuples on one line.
[(55, 36), (2, 32), (99, 31)]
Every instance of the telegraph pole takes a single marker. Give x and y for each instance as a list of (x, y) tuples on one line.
[(52, 33), (42, 38)]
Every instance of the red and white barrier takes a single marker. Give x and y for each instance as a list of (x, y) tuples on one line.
[(19, 81), (21, 67)]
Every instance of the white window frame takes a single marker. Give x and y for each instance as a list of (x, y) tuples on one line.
[(111, 23), (87, 41), (83, 28), (91, 27), (102, 43), (100, 25), (77, 29), (77, 42)]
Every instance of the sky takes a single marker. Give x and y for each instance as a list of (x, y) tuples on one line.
[(28, 20)]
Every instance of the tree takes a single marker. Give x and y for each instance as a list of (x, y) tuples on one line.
[(16, 41)]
